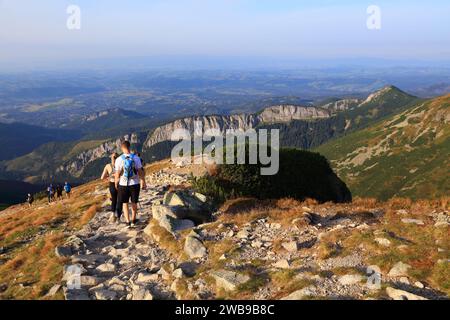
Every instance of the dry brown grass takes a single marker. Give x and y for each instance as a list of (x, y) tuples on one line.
[(157, 166), (368, 203), (283, 211), (30, 236)]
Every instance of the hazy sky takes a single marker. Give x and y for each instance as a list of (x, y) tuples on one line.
[(36, 29)]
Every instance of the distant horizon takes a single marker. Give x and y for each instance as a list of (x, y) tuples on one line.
[(39, 34), (217, 63)]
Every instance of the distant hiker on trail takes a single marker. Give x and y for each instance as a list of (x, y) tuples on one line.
[(129, 179), (50, 192), (109, 174), (30, 199), (67, 189), (59, 192)]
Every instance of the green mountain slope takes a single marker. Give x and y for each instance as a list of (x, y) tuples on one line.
[(18, 139), (405, 155), (41, 165)]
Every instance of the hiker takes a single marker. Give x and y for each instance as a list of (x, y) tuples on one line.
[(50, 192), (30, 199), (142, 162), (59, 192), (129, 179), (109, 174), (67, 189)]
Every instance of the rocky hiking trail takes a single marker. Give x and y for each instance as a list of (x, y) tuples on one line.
[(118, 262), (166, 256)]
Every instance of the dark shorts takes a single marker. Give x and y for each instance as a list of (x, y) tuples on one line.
[(127, 193)]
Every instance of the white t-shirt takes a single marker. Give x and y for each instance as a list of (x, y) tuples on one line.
[(119, 166)]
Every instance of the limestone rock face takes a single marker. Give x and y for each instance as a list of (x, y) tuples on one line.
[(238, 122), (289, 113)]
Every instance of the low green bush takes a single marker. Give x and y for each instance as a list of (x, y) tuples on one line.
[(301, 175)]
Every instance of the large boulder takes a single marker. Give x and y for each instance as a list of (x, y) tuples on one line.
[(188, 205), (194, 247), (169, 220), (229, 280)]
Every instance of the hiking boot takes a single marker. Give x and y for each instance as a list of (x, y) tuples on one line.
[(113, 219), (132, 225)]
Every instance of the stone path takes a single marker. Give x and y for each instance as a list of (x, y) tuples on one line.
[(113, 262)]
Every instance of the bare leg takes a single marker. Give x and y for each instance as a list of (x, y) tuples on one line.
[(133, 211), (126, 213)]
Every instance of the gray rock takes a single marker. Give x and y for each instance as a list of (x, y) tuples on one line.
[(350, 279), (90, 281), (89, 259), (194, 248), (142, 294), (178, 273), (63, 252), (146, 278), (413, 221), (442, 220), (301, 294), (105, 295), (106, 267), (76, 294), (167, 219), (291, 246), (383, 242), (400, 269), (53, 290), (200, 197), (229, 280), (282, 264), (397, 294), (243, 234)]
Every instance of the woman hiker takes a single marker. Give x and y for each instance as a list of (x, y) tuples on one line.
[(109, 174)]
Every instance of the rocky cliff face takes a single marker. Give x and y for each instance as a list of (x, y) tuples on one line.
[(275, 114), (76, 166)]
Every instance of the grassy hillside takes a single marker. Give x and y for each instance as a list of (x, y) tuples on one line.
[(405, 155)]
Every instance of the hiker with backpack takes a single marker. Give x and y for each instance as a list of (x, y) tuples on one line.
[(67, 189), (50, 192), (30, 199), (59, 192), (109, 174), (129, 179)]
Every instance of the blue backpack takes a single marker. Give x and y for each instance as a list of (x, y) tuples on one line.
[(129, 167), (67, 188)]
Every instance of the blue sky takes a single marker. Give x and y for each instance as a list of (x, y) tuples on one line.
[(322, 29)]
